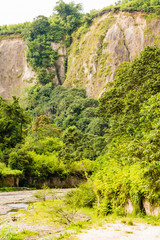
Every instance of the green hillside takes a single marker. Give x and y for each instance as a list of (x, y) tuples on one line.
[(113, 142)]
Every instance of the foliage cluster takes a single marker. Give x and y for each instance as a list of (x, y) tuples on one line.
[(7, 171), (65, 134), (132, 158), (13, 121), (66, 108), (140, 5), (21, 28), (74, 113), (130, 167), (84, 196), (40, 54), (134, 84)]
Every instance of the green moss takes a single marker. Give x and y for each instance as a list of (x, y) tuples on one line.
[(99, 74), (24, 234), (109, 85), (20, 75), (148, 31), (76, 82), (29, 80), (12, 36), (105, 44), (85, 50), (151, 16), (157, 40)]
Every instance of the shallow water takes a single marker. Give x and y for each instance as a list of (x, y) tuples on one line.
[(16, 196), (18, 205), (15, 207), (15, 201)]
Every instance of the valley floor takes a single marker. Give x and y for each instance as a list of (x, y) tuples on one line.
[(119, 231), (39, 221)]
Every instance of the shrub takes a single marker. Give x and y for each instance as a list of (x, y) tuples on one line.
[(82, 197)]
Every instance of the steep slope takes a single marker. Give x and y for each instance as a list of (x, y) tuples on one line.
[(15, 74), (93, 57), (112, 38), (60, 63)]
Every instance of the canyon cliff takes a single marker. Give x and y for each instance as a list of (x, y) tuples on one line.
[(15, 73), (112, 39), (93, 57)]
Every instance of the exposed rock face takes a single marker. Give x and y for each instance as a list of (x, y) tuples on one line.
[(112, 39), (9, 181), (151, 209), (94, 55), (60, 63), (68, 182), (15, 74)]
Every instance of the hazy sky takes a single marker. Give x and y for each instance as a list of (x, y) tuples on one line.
[(20, 11)]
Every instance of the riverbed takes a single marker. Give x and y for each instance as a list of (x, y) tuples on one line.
[(11, 202)]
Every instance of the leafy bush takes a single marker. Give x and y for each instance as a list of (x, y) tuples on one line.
[(130, 167), (140, 5), (82, 197), (46, 166), (4, 171), (81, 166)]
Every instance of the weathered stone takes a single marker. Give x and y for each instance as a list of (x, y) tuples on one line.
[(151, 209), (15, 73), (122, 38), (60, 63), (9, 181), (129, 207), (52, 182)]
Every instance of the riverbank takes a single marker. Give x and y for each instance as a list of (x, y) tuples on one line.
[(121, 231), (8, 199), (53, 219)]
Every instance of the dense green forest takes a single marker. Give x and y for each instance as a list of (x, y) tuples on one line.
[(114, 141), (129, 168), (58, 130)]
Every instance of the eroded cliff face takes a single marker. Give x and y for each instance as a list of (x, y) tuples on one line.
[(93, 57), (112, 39), (60, 74), (15, 74)]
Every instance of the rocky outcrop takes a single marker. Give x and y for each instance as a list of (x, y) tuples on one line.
[(151, 209), (9, 181), (57, 182), (94, 55), (15, 74), (112, 39), (60, 63)]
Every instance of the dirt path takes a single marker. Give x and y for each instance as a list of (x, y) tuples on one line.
[(119, 231)]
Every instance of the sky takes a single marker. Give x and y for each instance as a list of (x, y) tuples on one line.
[(20, 11)]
